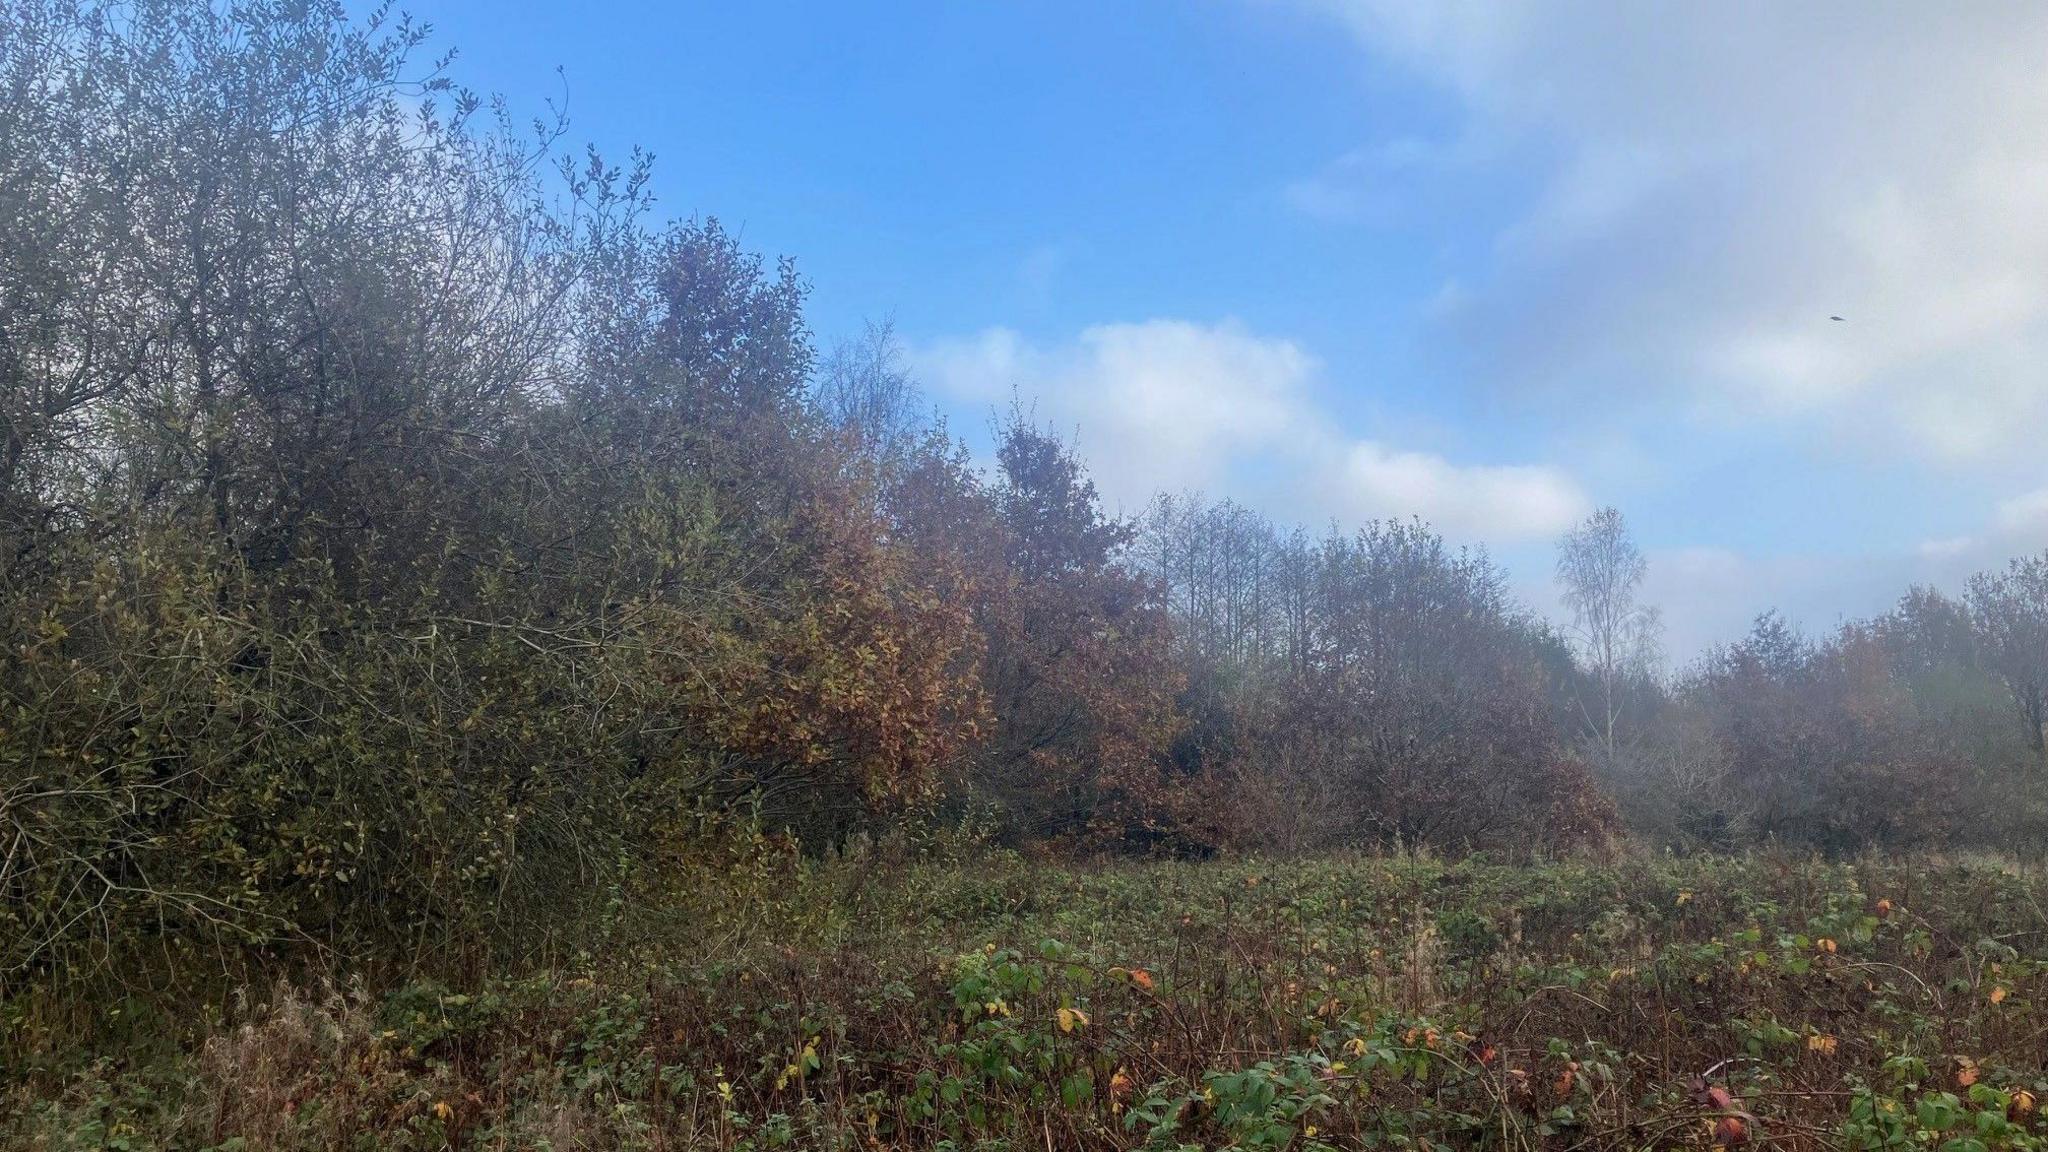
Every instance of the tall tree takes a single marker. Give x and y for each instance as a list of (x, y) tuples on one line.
[(1078, 669), (2010, 611), (1602, 571)]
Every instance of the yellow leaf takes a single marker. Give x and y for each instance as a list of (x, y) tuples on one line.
[(1825, 1045), (1072, 1018), (442, 1110), (1998, 994)]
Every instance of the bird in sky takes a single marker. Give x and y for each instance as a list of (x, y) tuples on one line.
[(1838, 319)]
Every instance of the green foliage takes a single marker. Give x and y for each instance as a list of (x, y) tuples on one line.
[(428, 580), (983, 1003), (391, 558)]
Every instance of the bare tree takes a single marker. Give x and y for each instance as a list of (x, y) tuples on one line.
[(1213, 560), (1602, 572), (865, 388), (2010, 612)]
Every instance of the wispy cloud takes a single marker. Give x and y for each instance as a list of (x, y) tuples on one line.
[(1039, 270), (1684, 196), (1944, 547), (1369, 183), (1718, 180)]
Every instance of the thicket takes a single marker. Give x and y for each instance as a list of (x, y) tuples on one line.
[(410, 546), (1382, 666)]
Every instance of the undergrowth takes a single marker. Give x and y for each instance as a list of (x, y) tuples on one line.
[(988, 1002)]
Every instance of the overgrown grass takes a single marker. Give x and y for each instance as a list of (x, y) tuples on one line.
[(993, 1003)]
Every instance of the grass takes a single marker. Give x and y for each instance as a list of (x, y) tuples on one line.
[(991, 1003)]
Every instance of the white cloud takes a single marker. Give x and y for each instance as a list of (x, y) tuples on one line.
[(1166, 405), (1160, 405), (1700, 187), (2024, 515), (1515, 502), (1944, 547), (1716, 180)]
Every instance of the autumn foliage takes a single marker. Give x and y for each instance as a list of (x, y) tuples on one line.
[(413, 551)]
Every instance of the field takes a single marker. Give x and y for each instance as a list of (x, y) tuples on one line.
[(987, 1002)]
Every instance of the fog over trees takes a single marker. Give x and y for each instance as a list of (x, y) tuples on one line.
[(406, 534)]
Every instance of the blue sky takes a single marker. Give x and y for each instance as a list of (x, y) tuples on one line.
[(1493, 264)]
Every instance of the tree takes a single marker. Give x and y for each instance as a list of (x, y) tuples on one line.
[(275, 301), (1816, 743), (1602, 571), (2010, 611), (397, 543), (1363, 687), (865, 389), (1079, 673)]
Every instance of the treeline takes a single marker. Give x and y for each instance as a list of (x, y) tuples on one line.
[(1367, 687), (1375, 685), (409, 546), (1920, 728)]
